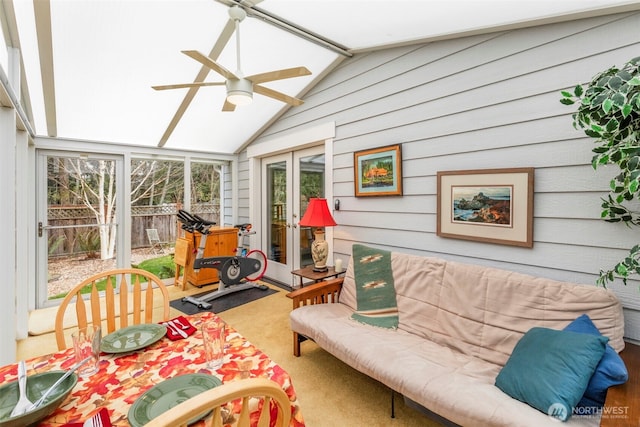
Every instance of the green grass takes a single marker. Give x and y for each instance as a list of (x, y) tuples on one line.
[(163, 267)]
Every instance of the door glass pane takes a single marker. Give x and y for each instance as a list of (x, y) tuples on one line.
[(277, 209), (157, 192), (81, 225), (311, 185), (205, 191)]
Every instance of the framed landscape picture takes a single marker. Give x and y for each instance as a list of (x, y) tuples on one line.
[(378, 172), (491, 205)]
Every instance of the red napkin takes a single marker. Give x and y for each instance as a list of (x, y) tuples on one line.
[(103, 415), (182, 324)]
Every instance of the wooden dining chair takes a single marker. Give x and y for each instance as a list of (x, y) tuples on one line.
[(135, 290), (275, 402)]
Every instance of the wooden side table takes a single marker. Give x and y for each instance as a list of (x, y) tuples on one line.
[(308, 273), (622, 407)]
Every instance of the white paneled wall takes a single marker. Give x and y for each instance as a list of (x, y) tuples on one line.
[(12, 300), (486, 101)]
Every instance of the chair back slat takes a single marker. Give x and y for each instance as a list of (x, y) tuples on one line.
[(148, 315), (81, 311), (265, 413), (94, 303), (114, 307), (137, 297), (110, 302), (123, 289), (243, 421), (217, 417)]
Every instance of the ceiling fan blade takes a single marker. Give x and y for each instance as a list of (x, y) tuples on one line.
[(217, 48), (187, 85), (208, 62), (279, 75), (228, 107), (277, 95)]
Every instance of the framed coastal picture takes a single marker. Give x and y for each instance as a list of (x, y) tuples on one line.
[(378, 171), (490, 205)]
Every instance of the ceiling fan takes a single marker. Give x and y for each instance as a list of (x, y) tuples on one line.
[(240, 88)]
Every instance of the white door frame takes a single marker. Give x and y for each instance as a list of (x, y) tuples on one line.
[(123, 223), (277, 270), (318, 135)]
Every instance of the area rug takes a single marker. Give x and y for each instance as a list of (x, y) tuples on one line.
[(223, 303)]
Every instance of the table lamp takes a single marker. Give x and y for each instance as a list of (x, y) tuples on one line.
[(318, 215)]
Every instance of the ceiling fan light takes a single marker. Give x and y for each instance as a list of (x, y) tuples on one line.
[(239, 91), (239, 97)]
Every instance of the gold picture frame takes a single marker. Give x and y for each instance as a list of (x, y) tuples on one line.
[(486, 205), (378, 171)]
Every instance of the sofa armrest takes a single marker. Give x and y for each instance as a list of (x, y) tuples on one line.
[(622, 407), (319, 293)]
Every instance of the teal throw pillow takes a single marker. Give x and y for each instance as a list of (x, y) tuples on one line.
[(550, 369), (610, 371)]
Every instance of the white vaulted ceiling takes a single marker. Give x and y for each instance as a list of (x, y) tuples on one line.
[(90, 64)]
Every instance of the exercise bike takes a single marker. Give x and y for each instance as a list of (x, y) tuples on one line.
[(236, 273)]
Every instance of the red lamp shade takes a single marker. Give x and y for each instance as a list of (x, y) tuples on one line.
[(317, 214)]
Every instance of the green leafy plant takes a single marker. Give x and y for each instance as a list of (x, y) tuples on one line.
[(89, 243), (55, 243), (609, 112), (164, 267)]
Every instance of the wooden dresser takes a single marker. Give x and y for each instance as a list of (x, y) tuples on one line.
[(220, 242), (622, 408)]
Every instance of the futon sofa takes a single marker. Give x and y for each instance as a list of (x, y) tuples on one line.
[(452, 351)]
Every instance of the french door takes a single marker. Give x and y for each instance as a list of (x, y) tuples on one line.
[(79, 213), (288, 182)]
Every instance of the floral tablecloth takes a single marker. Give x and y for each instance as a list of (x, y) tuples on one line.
[(122, 378)]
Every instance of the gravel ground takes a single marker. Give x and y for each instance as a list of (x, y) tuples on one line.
[(67, 272)]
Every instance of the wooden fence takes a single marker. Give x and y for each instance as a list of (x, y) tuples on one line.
[(80, 232)]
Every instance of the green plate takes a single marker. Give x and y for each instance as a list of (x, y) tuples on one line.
[(168, 394), (132, 338), (36, 386)]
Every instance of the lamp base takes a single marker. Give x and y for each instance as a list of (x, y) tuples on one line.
[(319, 252)]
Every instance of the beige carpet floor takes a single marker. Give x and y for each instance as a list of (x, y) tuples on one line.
[(330, 392)]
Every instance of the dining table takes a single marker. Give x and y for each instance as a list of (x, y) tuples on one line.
[(123, 377)]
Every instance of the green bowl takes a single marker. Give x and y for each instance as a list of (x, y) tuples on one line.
[(36, 386)]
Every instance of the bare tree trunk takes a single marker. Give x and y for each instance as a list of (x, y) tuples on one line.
[(152, 187), (111, 210), (106, 209), (166, 185), (101, 203)]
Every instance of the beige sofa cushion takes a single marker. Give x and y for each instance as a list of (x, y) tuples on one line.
[(456, 386), (482, 311)]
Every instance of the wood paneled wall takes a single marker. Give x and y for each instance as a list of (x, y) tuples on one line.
[(486, 101)]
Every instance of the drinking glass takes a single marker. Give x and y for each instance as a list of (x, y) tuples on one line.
[(213, 336), (86, 342)]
